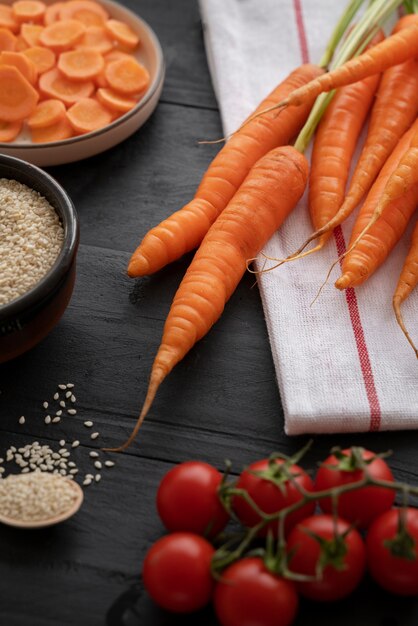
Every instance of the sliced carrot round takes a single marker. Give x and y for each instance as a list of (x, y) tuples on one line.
[(7, 19), (55, 132), (54, 85), (127, 76), (96, 37), (123, 33), (52, 13), (81, 64), (28, 10), (7, 40), (62, 35), (43, 58), (22, 63), (20, 44), (9, 130), (47, 113), (115, 101), (88, 115), (31, 33), (18, 98), (88, 12)]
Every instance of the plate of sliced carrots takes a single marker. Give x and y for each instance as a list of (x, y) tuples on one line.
[(77, 77)]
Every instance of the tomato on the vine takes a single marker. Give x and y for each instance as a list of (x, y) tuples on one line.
[(269, 486), (177, 572), (248, 593), (392, 552), (333, 546), (187, 499), (360, 506)]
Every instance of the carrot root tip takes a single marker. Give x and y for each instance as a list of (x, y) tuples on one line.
[(138, 266)]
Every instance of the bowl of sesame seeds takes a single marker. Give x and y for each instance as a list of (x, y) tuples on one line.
[(39, 236)]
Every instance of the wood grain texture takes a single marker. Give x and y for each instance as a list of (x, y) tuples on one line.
[(220, 403)]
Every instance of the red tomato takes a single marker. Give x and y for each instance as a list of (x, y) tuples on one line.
[(271, 497), (187, 499), (361, 506), (396, 574), (305, 550), (249, 595), (177, 574)]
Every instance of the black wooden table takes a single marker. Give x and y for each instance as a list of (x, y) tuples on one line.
[(220, 402)]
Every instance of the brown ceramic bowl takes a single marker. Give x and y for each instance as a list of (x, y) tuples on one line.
[(29, 318)]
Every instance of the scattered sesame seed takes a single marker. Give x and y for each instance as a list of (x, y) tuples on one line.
[(70, 385), (75, 444), (88, 424), (62, 403), (22, 419), (94, 454), (2, 470), (62, 386), (94, 435), (90, 476), (73, 398), (87, 481), (59, 413), (98, 465), (97, 478), (62, 443), (71, 411), (55, 420), (56, 396), (47, 419), (109, 463), (71, 464), (45, 405), (74, 471), (68, 394), (25, 470)]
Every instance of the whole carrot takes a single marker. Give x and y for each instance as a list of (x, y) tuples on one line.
[(185, 229), (334, 146), (408, 280), (372, 239), (265, 198)]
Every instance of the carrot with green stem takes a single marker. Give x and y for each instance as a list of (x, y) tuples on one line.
[(265, 198), (383, 217), (408, 280)]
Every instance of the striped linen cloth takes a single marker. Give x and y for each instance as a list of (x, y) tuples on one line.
[(342, 364)]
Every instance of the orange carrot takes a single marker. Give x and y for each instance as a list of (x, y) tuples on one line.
[(127, 76), (54, 85), (47, 113), (265, 198), (22, 63), (408, 280), (88, 115), (28, 10), (52, 13), (115, 101), (31, 33), (82, 64), (55, 132), (333, 149), (42, 58), (9, 130), (123, 33), (7, 40), (20, 44), (185, 229), (371, 249), (62, 35), (398, 48), (87, 12), (7, 19), (18, 98), (96, 37)]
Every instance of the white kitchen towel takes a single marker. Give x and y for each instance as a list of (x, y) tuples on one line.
[(343, 364)]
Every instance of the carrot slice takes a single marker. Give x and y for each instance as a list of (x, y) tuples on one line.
[(54, 85), (81, 64), (18, 98), (43, 58), (62, 35), (113, 55), (31, 33), (96, 37), (7, 19), (52, 13), (115, 101), (88, 12), (123, 33), (47, 113), (127, 76), (88, 115), (20, 44), (7, 40), (55, 132), (9, 130), (28, 10), (22, 63)]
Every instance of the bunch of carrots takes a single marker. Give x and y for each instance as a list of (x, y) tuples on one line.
[(257, 178), (65, 69)]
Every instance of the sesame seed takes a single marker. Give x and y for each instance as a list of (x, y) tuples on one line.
[(87, 481), (74, 471), (71, 411), (73, 398), (62, 442), (62, 403), (109, 463), (47, 419), (61, 450), (59, 413), (55, 420), (94, 454), (68, 394), (90, 476), (22, 419), (88, 424), (94, 435), (25, 470), (2, 470), (71, 464), (56, 396), (70, 385), (45, 405), (75, 444), (98, 465), (97, 478), (62, 386)]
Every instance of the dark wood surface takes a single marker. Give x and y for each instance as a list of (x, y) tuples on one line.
[(220, 402)]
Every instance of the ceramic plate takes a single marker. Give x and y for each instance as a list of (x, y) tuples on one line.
[(82, 146)]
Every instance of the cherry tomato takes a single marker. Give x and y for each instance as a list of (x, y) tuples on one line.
[(397, 574), (361, 506), (272, 495), (249, 595), (345, 559), (187, 499), (177, 574)]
